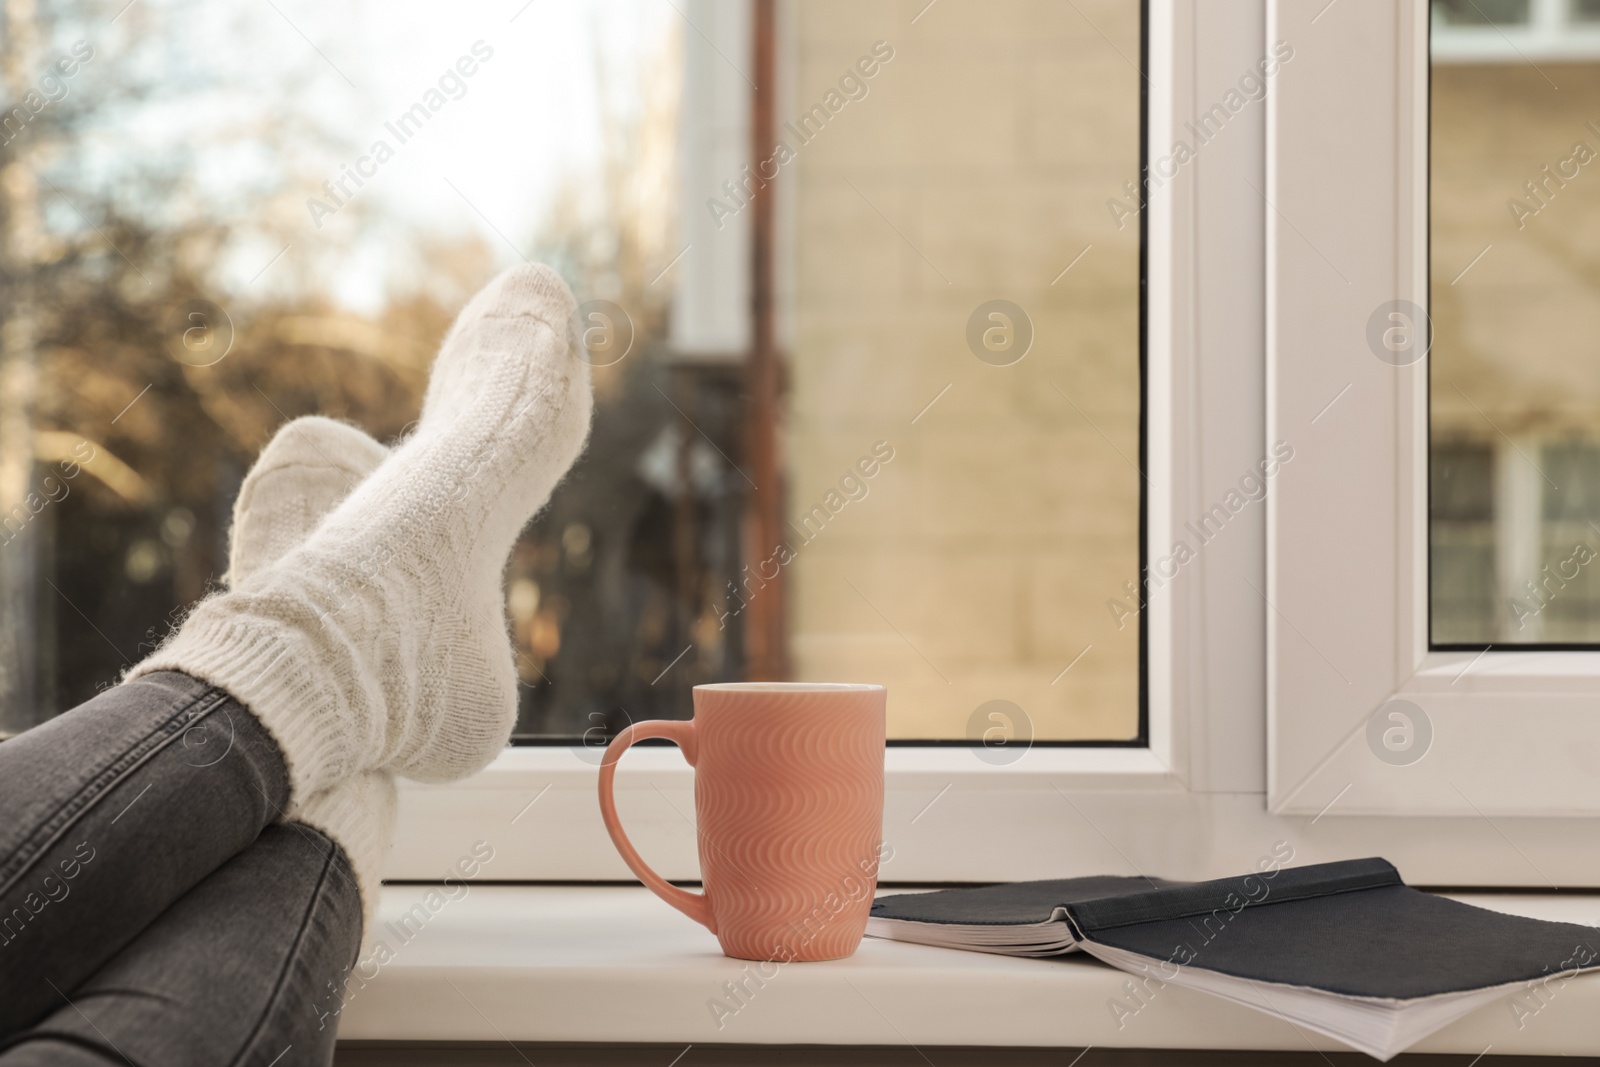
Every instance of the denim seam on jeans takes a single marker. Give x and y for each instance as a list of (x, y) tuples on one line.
[(269, 1009), (69, 1039), (51, 831)]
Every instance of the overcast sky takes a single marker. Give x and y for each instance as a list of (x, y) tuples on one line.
[(529, 117)]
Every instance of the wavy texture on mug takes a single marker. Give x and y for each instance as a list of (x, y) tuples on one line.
[(790, 803)]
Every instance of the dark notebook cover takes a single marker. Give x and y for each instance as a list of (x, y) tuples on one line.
[(1351, 927), (1347, 948), (1014, 904)]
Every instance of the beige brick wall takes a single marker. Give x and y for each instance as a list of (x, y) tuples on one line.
[(1519, 332), (992, 541)]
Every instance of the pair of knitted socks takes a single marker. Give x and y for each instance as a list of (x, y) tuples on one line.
[(363, 623)]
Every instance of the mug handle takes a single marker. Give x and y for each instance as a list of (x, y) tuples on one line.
[(680, 733)]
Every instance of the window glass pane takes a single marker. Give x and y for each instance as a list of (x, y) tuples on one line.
[(230, 216), (1515, 288), (1463, 540), (1482, 12), (994, 548)]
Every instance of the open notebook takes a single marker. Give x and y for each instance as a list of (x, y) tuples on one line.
[(1345, 949)]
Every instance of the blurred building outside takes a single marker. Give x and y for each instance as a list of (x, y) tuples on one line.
[(1515, 280)]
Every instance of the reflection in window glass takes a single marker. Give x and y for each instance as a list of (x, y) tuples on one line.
[(1515, 301), (958, 477)]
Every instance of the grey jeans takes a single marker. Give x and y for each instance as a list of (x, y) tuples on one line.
[(155, 907)]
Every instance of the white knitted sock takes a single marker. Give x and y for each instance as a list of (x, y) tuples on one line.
[(381, 642), (308, 467), (306, 470), (358, 813)]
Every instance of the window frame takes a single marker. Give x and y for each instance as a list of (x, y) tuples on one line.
[(1512, 731), (1245, 748)]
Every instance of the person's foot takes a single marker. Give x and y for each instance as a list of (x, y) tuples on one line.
[(307, 469), (380, 642)]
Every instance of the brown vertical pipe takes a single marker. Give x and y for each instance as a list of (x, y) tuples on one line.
[(765, 635), (685, 531)]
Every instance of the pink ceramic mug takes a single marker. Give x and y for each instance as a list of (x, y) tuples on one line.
[(788, 794)]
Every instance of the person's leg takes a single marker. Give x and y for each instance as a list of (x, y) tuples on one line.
[(120, 806), (377, 644), (247, 968), (114, 810)]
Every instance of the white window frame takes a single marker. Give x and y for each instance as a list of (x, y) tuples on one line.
[(1513, 733), (1249, 743)]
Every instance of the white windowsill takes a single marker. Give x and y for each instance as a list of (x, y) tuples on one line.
[(916, 766), (614, 964)]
